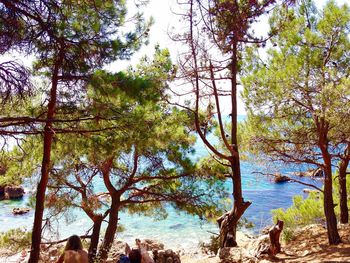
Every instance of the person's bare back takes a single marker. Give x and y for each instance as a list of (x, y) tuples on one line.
[(72, 256)]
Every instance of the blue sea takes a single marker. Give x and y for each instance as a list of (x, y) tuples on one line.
[(178, 231)]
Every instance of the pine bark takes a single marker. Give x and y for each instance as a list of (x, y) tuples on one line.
[(343, 196), (46, 164), (331, 220), (94, 238), (111, 229), (328, 203), (229, 221)]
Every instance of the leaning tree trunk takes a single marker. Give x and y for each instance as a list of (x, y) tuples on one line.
[(46, 163), (111, 229), (343, 196), (94, 238), (331, 220), (229, 221)]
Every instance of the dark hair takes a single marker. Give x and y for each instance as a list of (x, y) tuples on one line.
[(135, 256), (73, 243)]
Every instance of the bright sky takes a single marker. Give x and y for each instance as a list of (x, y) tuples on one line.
[(161, 11)]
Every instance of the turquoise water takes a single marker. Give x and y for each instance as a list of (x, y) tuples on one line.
[(178, 231)]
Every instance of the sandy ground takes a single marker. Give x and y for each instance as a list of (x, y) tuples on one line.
[(310, 245)]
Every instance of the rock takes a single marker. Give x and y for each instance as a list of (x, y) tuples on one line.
[(2, 192), (151, 245), (231, 255), (254, 248), (20, 210), (281, 178), (318, 172), (13, 192)]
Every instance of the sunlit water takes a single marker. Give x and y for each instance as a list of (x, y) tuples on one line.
[(178, 231)]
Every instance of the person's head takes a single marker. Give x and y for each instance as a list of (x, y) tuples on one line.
[(73, 243), (135, 256)]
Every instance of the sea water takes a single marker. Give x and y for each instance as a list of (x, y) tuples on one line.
[(178, 231)]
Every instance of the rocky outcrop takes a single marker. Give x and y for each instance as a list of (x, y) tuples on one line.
[(151, 245), (20, 210), (281, 178), (2, 192), (311, 173), (13, 192)]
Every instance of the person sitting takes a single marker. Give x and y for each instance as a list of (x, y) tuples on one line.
[(135, 256), (145, 257), (123, 259), (73, 252)]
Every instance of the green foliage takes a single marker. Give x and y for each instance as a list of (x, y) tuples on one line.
[(15, 239), (288, 234), (306, 211), (303, 212), (336, 196), (212, 246), (245, 223), (302, 80)]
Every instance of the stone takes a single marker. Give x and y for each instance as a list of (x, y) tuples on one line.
[(318, 172), (152, 245), (20, 210), (230, 255), (13, 192), (2, 191), (255, 246), (281, 178)]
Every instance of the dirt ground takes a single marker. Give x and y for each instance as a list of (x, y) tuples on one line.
[(310, 245)]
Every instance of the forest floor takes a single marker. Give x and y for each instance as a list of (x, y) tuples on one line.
[(309, 245)]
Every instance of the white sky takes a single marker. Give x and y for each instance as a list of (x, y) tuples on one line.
[(161, 11)]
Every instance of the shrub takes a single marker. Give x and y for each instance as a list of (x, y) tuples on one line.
[(303, 212), (212, 247), (15, 239)]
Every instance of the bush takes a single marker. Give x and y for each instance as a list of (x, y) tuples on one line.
[(303, 212), (15, 239), (212, 247)]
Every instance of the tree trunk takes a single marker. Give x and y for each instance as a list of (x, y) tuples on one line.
[(111, 229), (274, 234), (94, 239), (328, 204), (343, 196), (331, 220), (46, 163), (229, 221)]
